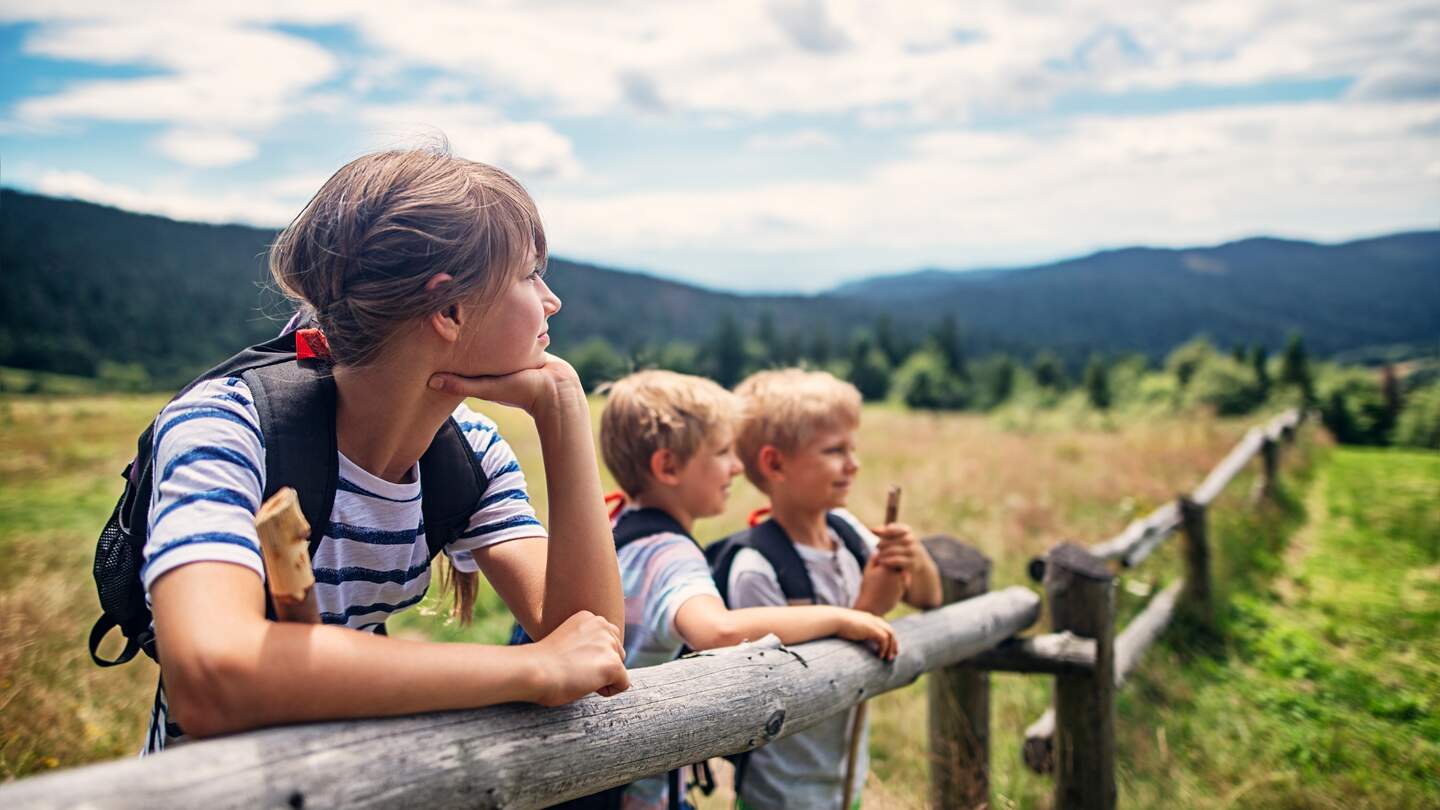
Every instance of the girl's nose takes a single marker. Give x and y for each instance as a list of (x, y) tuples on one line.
[(549, 300)]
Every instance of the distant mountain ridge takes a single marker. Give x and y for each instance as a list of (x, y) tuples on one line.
[(86, 285), (1374, 291)]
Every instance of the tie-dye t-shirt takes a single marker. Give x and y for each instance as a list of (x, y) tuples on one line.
[(659, 573)]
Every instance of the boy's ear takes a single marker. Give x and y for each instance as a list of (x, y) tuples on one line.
[(665, 467), (772, 462)]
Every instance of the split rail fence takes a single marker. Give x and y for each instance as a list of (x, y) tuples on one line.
[(727, 701)]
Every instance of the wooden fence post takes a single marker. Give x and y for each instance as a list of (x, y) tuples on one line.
[(1270, 458), (1081, 593), (959, 695), (1196, 597)]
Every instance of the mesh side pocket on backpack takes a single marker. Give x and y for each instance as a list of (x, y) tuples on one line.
[(117, 574)]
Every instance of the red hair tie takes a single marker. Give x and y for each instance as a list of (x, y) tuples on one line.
[(758, 516), (310, 344), (615, 503)]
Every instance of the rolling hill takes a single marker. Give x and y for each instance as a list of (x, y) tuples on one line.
[(86, 286)]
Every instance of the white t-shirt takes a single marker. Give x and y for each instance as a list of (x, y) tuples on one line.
[(373, 562), (659, 573), (805, 770)]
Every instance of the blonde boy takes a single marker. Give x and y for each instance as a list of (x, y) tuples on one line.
[(668, 440), (797, 442)]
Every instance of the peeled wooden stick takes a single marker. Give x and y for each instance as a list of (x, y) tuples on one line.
[(892, 514), (285, 543)]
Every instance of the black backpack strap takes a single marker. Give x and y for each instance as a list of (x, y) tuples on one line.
[(851, 538), (296, 404), (638, 524), (774, 545), (452, 483)]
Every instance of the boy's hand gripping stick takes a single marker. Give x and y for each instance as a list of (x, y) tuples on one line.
[(892, 514), (285, 543)]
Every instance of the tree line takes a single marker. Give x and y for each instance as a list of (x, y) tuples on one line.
[(938, 372)]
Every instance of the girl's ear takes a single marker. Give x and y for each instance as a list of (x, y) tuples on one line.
[(445, 322), (772, 462), (665, 467)]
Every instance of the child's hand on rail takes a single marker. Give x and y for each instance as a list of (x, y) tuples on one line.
[(581, 656), (533, 390), (871, 630)]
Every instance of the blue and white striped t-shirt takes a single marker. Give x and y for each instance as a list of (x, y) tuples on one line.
[(209, 463)]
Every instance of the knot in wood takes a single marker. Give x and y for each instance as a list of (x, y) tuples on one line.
[(774, 724)]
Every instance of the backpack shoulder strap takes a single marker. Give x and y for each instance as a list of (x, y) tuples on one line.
[(641, 523), (452, 481), (774, 545), (296, 404), (851, 538)]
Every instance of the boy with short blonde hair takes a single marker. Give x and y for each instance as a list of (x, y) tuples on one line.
[(797, 441), (668, 440)]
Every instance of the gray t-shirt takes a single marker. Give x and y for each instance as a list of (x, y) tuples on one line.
[(805, 770)]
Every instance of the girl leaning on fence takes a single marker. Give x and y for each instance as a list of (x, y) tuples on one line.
[(424, 272)]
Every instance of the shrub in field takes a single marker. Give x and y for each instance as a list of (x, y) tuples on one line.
[(1353, 407), (1225, 385), (1188, 357), (596, 361), (925, 381), (1419, 423), (1097, 384)]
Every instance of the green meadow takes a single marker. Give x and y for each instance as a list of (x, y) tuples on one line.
[(1322, 688)]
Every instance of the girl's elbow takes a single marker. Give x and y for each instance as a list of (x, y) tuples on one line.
[(207, 693)]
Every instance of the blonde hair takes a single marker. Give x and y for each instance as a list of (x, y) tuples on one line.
[(359, 256), (659, 410), (786, 408), (362, 250)]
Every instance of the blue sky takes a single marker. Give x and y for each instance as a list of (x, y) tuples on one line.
[(775, 145)]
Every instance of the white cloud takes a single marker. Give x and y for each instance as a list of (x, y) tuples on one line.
[(212, 75), (206, 149), (799, 139), (531, 149), (240, 205), (960, 198)]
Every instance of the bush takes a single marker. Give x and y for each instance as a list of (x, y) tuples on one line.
[(596, 361), (1353, 407), (1225, 385), (1419, 424), (925, 381), (1188, 358)]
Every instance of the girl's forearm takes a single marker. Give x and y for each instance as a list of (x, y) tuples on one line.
[(580, 571), (271, 673)]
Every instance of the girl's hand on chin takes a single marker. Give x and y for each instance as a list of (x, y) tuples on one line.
[(533, 390)]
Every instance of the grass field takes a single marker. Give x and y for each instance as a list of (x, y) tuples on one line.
[(1323, 692)]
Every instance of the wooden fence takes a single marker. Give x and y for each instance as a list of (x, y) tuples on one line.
[(1075, 739), (727, 701)]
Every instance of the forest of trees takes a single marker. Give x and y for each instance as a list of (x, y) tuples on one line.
[(1360, 405)]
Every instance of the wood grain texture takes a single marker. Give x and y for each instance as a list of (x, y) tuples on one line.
[(524, 756), (959, 696)]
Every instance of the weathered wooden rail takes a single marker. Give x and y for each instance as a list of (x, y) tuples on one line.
[(518, 756), (1075, 739)]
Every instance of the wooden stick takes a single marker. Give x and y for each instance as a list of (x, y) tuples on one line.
[(285, 543), (892, 514)]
